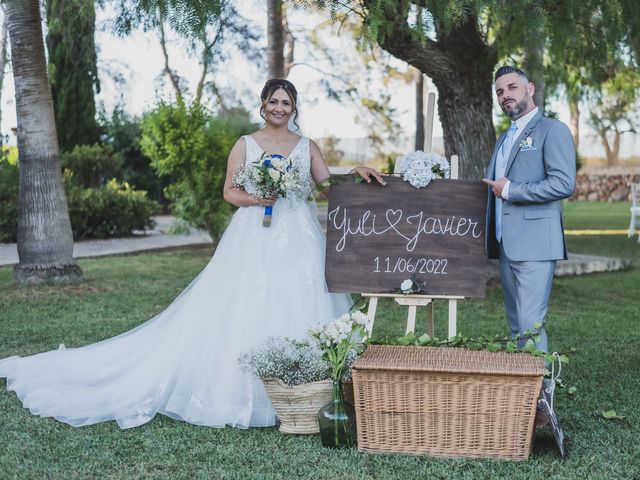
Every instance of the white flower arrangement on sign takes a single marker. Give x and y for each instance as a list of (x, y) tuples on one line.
[(411, 285), (419, 168), (342, 340)]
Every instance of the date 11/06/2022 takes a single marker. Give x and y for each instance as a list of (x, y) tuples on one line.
[(436, 266)]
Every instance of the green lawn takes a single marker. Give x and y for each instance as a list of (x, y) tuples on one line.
[(598, 314), (599, 215)]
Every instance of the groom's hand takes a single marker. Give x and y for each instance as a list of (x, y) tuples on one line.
[(496, 185), (368, 173)]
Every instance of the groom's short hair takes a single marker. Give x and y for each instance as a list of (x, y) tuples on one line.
[(505, 69)]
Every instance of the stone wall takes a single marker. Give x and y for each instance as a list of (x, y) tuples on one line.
[(611, 184)]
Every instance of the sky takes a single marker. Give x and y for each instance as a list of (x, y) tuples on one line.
[(137, 59)]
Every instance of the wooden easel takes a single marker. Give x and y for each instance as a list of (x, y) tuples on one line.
[(414, 301)]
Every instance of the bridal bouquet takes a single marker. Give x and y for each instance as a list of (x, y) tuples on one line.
[(419, 168), (272, 176)]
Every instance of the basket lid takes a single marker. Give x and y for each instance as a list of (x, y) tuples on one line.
[(448, 360)]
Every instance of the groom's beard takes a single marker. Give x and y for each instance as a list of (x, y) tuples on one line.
[(514, 111)]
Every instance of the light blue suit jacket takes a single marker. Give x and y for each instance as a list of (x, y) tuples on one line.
[(542, 171)]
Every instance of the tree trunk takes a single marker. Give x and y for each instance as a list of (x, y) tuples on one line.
[(616, 149), (3, 58), (45, 241), (461, 66), (275, 39), (574, 119), (419, 110), (534, 63), (609, 152)]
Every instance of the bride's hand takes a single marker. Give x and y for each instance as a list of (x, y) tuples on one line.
[(264, 202), (367, 173)]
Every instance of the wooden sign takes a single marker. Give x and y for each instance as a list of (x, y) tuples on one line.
[(379, 236)]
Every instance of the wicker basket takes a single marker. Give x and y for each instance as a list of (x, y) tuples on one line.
[(447, 402), (297, 407)]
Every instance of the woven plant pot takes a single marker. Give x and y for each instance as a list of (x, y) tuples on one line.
[(297, 407)]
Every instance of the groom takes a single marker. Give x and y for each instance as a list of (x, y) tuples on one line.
[(533, 167)]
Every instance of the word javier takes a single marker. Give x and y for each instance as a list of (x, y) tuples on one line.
[(396, 222)]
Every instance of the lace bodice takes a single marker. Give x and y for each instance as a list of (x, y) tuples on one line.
[(299, 155)]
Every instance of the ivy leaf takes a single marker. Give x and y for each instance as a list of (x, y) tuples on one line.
[(358, 179), (424, 339), (537, 325), (571, 390), (493, 347), (564, 359), (611, 415)]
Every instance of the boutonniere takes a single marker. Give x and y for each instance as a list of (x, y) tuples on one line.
[(527, 144)]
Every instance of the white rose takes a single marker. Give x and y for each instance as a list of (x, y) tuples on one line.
[(279, 164), (407, 285), (274, 174)]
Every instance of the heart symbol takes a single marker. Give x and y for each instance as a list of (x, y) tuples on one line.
[(393, 217)]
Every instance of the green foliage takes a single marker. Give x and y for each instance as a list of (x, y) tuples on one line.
[(92, 165), (611, 415), (123, 134), (616, 103), (113, 210), (9, 178), (189, 147), (73, 73)]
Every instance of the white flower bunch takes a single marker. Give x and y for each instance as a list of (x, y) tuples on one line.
[(341, 339), (419, 168), (411, 285), (291, 361), (273, 176)]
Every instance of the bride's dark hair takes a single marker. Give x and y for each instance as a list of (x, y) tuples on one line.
[(270, 88)]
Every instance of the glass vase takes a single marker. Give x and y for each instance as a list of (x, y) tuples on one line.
[(337, 421)]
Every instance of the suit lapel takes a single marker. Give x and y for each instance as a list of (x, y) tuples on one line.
[(525, 133)]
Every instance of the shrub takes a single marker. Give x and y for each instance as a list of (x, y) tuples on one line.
[(122, 134), (189, 146), (9, 181), (92, 165), (113, 210)]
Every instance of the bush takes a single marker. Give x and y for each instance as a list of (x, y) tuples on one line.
[(114, 210), (9, 181), (123, 135), (92, 165), (189, 147)]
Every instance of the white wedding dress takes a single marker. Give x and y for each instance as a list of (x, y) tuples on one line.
[(183, 362)]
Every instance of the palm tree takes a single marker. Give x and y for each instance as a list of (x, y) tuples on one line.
[(45, 241)]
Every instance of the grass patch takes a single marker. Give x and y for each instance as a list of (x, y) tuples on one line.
[(596, 215), (595, 313)]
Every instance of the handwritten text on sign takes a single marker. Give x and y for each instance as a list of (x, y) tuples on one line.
[(379, 236)]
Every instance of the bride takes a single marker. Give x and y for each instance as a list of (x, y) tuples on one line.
[(183, 362)]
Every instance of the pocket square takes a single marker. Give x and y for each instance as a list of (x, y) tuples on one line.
[(527, 144)]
